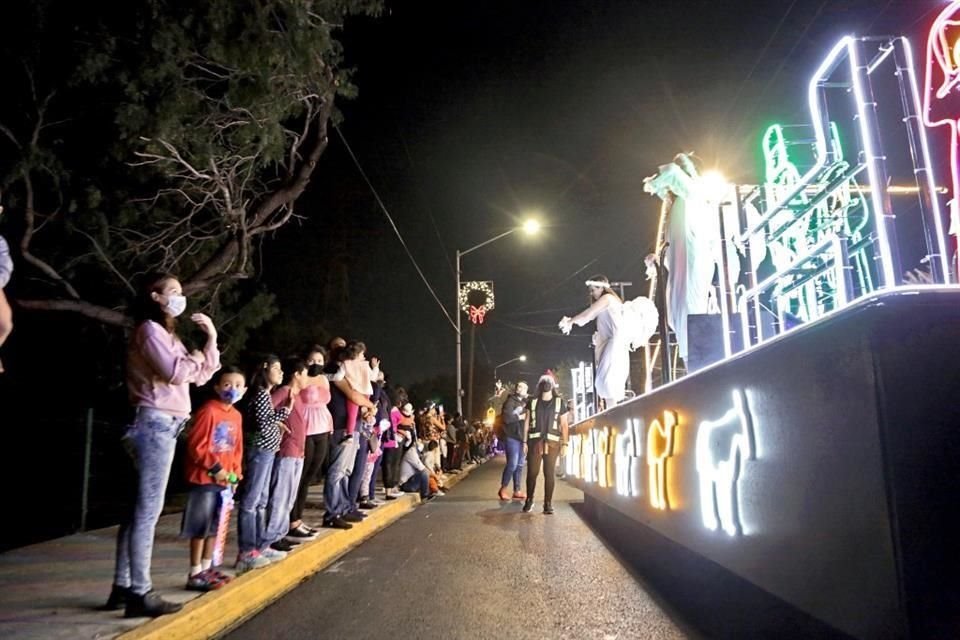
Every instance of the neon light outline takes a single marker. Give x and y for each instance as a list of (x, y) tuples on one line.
[(657, 460), (933, 54), (628, 451), (719, 494), (848, 44)]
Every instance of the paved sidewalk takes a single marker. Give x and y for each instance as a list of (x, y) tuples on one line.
[(51, 590)]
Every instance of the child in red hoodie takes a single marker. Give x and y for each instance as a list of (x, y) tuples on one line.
[(213, 460)]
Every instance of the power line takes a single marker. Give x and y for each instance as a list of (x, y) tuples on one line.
[(403, 242)]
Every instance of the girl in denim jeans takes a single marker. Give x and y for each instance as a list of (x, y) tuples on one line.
[(160, 371)]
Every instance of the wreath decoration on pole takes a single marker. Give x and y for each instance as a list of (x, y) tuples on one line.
[(476, 299)]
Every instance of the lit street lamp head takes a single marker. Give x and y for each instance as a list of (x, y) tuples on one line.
[(531, 227), (523, 358)]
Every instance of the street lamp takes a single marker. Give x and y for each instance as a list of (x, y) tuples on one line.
[(520, 358), (530, 227)]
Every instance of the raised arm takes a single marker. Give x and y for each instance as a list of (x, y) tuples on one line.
[(592, 311)]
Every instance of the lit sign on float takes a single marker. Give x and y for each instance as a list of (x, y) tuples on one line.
[(723, 447), (660, 443), (628, 451), (847, 55), (612, 458), (941, 92)]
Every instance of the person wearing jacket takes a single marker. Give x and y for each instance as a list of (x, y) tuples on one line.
[(546, 432), (514, 410)]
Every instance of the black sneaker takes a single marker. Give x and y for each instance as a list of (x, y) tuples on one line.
[(337, 523), (149, 605), (119, 596), (283, 545), (366, 504), (300, 533), (547, 508), (351, 517), (528, 505)]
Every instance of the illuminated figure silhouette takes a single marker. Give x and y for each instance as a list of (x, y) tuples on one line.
[(941, 94), (629, 450), (723, 446), (659, 449), (845, 211)]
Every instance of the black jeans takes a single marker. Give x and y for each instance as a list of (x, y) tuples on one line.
[(315, 451), (391, 466), (537, 454)]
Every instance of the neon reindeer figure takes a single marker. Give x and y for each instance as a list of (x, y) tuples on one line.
[(723, 446)]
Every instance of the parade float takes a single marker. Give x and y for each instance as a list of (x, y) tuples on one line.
[(797, 467)]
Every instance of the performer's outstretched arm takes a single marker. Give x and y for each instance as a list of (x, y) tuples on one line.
[(592, 311), (585, 316)]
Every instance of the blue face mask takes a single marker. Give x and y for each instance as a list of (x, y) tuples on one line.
[(231, 395)]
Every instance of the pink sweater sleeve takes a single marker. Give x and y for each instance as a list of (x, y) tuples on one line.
[(168, 358)]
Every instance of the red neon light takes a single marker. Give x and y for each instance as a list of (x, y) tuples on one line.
[(477, 314), (941, 96)]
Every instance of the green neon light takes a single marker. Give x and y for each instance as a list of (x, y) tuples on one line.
[(846, 205)]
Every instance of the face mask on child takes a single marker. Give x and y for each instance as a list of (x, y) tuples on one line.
[(231, 395)]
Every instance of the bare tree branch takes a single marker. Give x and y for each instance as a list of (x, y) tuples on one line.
[(107, 261), (102, 314)]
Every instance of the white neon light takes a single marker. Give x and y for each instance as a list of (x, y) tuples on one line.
[(846, 45), (603, 456), (832, 242), (924, 111), (723, 447), (942, 56), (820, 138), (876, 188), (574, 464), (628, 451), (590, 456)]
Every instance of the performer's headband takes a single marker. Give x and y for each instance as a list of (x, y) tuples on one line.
[(597, 283)]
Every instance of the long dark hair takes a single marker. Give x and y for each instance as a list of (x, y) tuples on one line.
[(145, 307), (258, 379)]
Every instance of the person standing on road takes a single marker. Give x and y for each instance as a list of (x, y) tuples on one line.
[(545, 433), (160, 371), (514, 409)]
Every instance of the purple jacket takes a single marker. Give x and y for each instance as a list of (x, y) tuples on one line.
[(160, 371)]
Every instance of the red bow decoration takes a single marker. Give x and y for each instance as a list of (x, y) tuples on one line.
[(477, 314)]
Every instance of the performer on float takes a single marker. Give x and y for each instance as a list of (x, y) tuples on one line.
[(610, 344), (690, 242), (941, 99)]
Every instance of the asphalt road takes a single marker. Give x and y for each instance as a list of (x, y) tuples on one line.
[(467, 566)]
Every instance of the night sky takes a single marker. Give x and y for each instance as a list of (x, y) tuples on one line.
[(470, 115)]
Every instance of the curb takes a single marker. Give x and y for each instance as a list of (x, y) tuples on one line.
[(219, 611)]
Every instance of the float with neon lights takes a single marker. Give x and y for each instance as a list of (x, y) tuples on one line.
[(803, 456)]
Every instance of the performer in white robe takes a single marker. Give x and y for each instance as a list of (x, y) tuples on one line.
[(692, 236), (611, 345)]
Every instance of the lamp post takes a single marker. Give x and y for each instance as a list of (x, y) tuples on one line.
[(502, 364), (530, 227)]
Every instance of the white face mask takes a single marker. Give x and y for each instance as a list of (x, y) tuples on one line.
[(175, 305)]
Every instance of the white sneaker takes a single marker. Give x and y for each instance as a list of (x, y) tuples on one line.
[(249, 561), (273, 555)]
